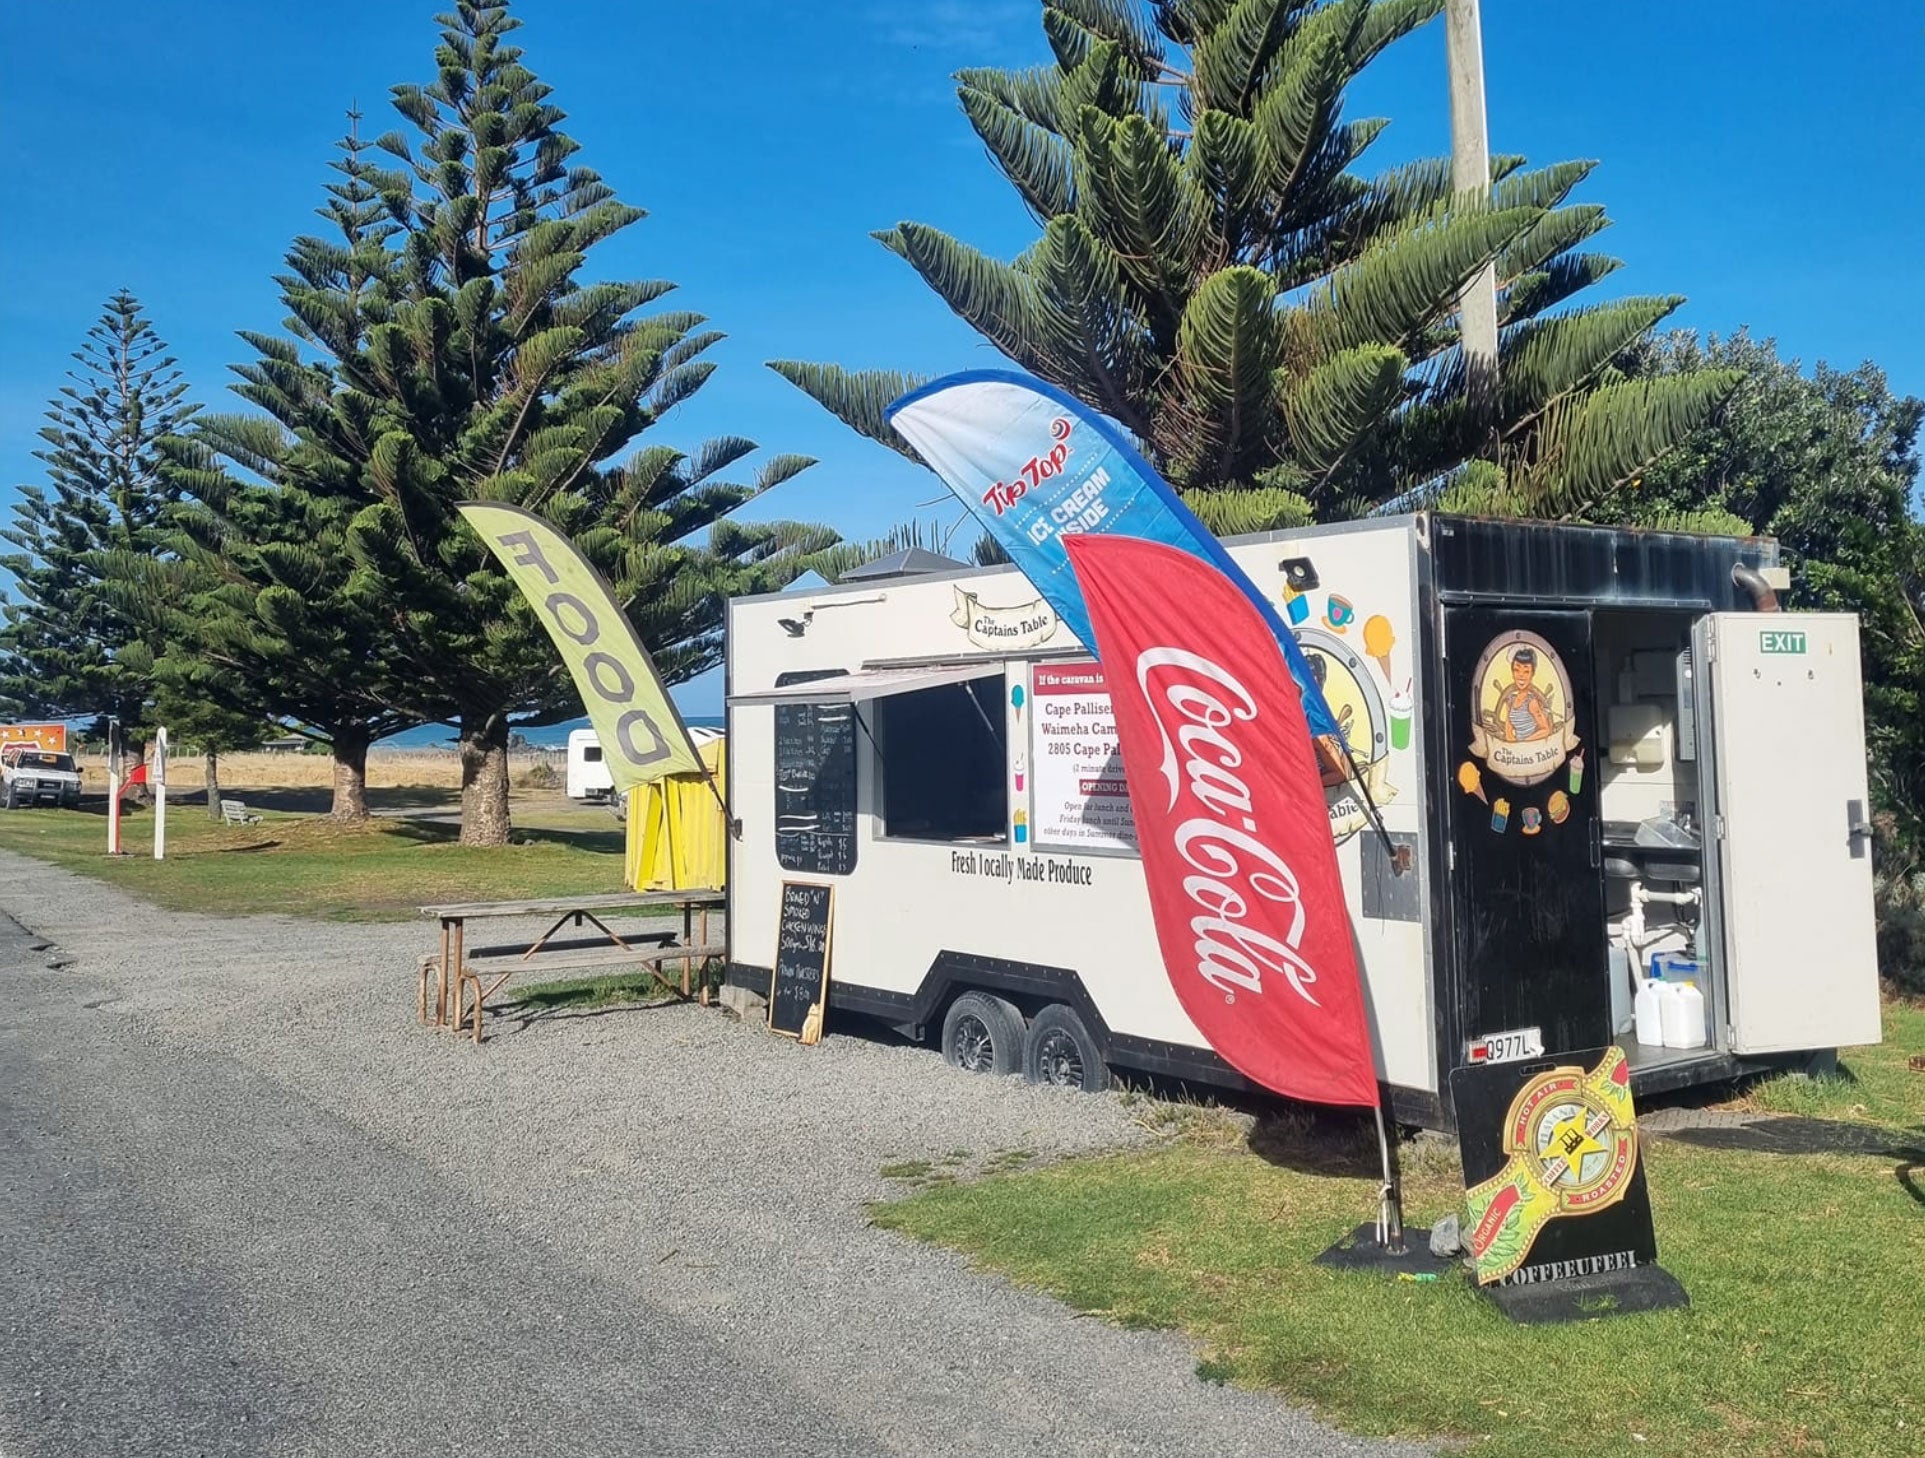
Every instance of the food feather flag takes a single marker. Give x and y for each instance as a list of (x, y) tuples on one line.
[(642, 735)]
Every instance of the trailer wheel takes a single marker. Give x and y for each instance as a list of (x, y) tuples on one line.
[(1059, 1050), (983, 1033)]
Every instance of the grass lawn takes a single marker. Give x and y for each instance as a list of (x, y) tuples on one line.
[(308, 866), (1806, 1273), (1872, 1085)]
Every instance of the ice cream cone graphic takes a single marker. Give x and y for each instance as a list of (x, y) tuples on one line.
[(1378, 641), (1471, 782)]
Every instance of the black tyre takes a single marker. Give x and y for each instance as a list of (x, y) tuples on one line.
[(983, 1033), (13, 798), (1059, 1050)]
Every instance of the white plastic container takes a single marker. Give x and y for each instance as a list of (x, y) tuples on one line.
[(1648, 1011), (1682, 1016)]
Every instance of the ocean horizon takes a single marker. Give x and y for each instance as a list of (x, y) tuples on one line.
[(542, 736)]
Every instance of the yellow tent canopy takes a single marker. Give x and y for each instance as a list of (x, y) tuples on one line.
[(677, 834)]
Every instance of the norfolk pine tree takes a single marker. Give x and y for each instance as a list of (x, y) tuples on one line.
[(482, 364), (265, 605), (69, 650), (1275, 329)]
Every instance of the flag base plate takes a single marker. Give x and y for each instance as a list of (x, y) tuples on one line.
[(1359, 1251)]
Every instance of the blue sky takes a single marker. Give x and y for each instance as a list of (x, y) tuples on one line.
[(1762, 158)]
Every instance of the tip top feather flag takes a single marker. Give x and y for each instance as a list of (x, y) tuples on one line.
[(642, 736), (1036, 467), (1230, 818)]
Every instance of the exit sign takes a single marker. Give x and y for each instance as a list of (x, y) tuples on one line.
[(1778, 641)]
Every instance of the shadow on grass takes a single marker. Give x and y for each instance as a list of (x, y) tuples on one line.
[(294, 800), (602, 842), (1331, 1143), (319, 799)]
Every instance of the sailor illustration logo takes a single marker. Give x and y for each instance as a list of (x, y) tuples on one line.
[(1524, 726)]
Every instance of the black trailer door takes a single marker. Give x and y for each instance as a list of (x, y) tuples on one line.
[(1525, 887)]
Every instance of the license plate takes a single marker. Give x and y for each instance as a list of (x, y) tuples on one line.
[(1507, 1047)]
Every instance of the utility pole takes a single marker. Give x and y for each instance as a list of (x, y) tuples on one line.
[(1470, 172)]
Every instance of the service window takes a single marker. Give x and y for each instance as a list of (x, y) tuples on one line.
[(815, 783), (591, 754), (944, 761)]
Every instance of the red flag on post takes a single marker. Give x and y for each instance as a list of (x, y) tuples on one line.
[(1231, 820)]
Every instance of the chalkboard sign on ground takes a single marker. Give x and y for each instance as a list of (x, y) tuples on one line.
[(801, 978)]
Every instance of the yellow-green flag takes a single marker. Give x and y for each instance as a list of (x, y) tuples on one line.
[(642, 736)]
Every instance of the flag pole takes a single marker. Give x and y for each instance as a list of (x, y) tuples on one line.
[(1390, 1204)]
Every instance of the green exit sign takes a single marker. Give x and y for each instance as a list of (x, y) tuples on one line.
[(1779, 641)]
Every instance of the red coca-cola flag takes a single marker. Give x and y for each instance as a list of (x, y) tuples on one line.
[(1231, 818)]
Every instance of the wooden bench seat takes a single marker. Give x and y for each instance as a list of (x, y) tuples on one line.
[(663, 938), (456, 965)]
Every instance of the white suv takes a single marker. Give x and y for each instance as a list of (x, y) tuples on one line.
[(40, 777)]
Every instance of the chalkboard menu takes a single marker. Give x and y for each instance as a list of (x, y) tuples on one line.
[(801, 978), (815, 783)]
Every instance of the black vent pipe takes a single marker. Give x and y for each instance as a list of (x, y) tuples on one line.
[(1744, 575)]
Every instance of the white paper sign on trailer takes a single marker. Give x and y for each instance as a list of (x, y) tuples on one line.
[(1082, 801)]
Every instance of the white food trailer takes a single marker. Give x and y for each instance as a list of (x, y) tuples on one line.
[(1624, 796)]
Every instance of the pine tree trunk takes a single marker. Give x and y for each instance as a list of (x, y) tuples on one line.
[(484, 780), (350, 775), (213, 785)]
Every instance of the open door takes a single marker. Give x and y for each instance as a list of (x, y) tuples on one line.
[(1526, 879), (1784, 706)]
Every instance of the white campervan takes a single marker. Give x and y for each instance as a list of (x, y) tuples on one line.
[(588, 776)]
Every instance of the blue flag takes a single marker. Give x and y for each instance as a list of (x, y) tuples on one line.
[(1034, 466)]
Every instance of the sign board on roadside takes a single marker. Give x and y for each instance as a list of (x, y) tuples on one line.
[(1556, 1205), (799, 987), (50, 737)]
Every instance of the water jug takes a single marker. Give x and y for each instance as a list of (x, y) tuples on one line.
[(1648, 1011), (1682, 1016)]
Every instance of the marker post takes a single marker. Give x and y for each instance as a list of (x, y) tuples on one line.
[(116, 750), (160, 794)]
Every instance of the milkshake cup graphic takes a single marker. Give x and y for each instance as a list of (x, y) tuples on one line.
[(1577, 773), (1500, 814), (1022, 767), (1400, 712)]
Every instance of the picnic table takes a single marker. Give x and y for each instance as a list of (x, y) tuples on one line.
[(459, 966)]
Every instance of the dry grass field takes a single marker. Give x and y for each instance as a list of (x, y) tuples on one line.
[(388, 769)]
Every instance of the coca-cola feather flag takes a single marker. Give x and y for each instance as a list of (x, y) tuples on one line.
[(1231, 819)]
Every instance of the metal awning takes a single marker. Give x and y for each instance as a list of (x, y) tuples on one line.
[(869, 683)]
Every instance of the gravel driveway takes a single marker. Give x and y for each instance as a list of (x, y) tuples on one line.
[(252, 1207)]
